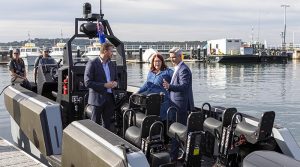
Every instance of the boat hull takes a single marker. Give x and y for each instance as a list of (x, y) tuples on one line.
[(247, 59), (37, 117)]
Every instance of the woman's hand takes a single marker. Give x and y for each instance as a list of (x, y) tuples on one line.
[(166, 85)]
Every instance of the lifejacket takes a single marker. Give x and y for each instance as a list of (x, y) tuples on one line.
[(16, 67)]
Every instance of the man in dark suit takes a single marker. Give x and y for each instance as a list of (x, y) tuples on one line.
[(181, 93), (100, 77)]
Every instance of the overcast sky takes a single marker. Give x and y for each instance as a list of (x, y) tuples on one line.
[(155, 20)]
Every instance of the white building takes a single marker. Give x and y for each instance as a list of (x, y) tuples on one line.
[(224, 46)]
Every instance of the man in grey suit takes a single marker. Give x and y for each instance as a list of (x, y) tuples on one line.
[(100, 77), (181, 93)]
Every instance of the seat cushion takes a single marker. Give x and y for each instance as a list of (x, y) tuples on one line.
[(269, 158), (248, 130), (211, 124), (133, 135), (139, 118), (88, 110), (179, 129), (160, 158)]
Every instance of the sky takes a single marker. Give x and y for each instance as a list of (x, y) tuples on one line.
[(156, 20)]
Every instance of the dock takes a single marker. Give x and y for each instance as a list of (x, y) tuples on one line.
[(10, 155)]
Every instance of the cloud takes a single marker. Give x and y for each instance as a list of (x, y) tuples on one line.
[(155, 20)]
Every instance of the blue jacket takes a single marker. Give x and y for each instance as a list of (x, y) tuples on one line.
[(94, 79), (181, 93), (154, 84)]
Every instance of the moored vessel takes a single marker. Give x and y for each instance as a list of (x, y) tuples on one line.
[(29, 52)]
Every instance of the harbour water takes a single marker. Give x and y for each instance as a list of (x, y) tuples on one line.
[(251, 88)]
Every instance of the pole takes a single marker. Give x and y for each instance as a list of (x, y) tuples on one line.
[(78, 51), (284, 22), (198, 52), (293, 39), (141, 53), (191, 52)]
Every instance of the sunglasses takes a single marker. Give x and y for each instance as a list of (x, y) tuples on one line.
[(16, 53)]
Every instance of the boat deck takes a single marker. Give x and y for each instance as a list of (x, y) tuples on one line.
[(10, 155)]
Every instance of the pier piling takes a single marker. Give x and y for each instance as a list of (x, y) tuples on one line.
[(141, 53)]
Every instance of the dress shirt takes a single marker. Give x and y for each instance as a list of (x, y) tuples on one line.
[(107, 72)]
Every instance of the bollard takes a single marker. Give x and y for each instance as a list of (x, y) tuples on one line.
[(141, 53), (191, 52), (78, 51), (10, 52), (198, 52)]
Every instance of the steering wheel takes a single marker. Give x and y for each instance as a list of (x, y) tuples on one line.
[(54, 73)]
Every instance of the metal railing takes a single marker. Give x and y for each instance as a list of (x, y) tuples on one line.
[(127, 47)]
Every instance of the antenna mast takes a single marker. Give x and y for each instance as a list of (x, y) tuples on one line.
[(252, 40), (61, 35), (29, 39), (101, 14)]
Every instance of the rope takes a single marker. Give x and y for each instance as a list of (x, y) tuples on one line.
[(5, 88)]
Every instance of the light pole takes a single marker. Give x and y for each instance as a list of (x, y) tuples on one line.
[(284, 22)]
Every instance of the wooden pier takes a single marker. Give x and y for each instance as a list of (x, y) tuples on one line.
[(12, 156)]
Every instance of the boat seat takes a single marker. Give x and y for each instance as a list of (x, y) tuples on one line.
[(180, 131), (54, 94), (214, 126), (88, 111), (211, 124), (160, 158), (253, 133), (144, 105), (133, 133), (269, 158), (139, 118)]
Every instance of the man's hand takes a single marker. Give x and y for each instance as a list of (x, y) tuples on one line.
[(166, 85), (111, 84), (115, 84)]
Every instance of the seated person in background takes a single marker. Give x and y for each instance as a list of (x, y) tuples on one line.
[(154, 84), (45, 58), (17, 70)]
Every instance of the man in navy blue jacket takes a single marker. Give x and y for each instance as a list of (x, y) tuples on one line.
[(100, 77), (181, 93)]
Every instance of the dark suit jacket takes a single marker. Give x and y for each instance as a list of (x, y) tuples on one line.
[(181, 93), (94, 79)]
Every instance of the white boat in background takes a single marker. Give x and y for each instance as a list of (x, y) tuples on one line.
[(92, 51), (29, 52), (147, 55), (58, 51)]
